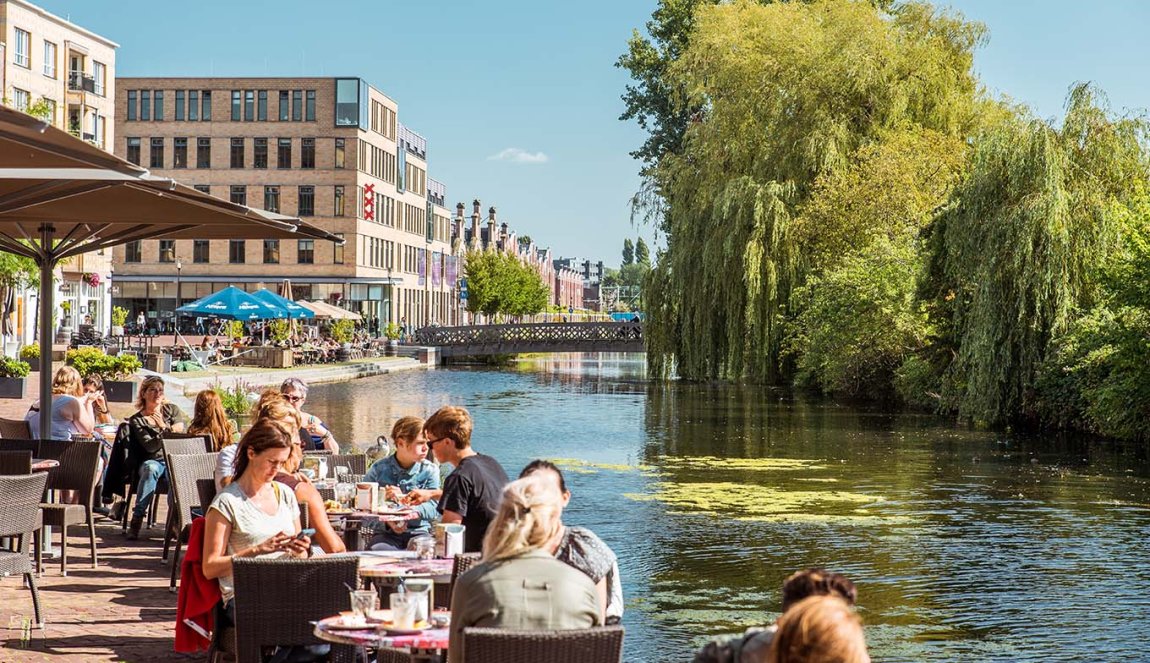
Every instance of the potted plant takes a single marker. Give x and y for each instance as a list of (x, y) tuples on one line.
[(13, 378), (342, 331), (66, 306), (392, 332), (119, 319), (31, 354), (119, 387)]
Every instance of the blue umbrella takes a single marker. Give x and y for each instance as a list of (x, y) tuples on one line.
[(295, 311), (234, 304)]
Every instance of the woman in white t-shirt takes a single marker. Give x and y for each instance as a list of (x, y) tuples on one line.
[(253, 516)]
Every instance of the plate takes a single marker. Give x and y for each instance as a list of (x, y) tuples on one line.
[(337, 624), (339, 512)]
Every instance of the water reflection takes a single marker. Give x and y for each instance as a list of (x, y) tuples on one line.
[(964, 544)]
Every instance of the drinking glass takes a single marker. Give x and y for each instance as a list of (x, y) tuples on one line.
[(424, 547), (341, 471), (362, 602), (345, 494), (420, 589), (403, 609)]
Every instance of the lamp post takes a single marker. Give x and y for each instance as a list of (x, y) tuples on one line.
[(175, 313)]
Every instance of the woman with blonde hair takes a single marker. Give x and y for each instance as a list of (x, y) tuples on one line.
[(209, 418), (520, 585), (71, 408), (819, 629), (146, 429)]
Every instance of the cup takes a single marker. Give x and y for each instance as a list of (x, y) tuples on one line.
[(363, 601), (403, 610)]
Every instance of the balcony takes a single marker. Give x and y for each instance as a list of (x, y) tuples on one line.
[(81, 82)]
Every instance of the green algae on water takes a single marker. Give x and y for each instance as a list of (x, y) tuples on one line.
[(578, 466)]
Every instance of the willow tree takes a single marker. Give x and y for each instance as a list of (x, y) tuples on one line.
[(1017, 257), (788, 93)]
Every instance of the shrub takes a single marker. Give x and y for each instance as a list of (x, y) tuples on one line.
[(13, 368), (93, 361), (343, 330), (280, 330), (119, 316), (30, 352), (392, 331), (237, 398)]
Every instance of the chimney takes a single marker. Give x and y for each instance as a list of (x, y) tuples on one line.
[(459, 210), (475, 221), (491, 226)]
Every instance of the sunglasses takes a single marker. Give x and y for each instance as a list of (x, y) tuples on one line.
[(293, 399)]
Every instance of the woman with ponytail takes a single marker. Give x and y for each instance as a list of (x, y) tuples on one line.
[(520, 585)]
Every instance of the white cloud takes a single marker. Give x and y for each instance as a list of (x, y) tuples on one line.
[(516, 155)]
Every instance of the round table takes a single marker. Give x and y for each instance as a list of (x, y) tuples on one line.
[(427, 642), (44, 464), (384, 567)]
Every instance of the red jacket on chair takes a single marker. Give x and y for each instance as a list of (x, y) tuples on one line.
[(198, 596)]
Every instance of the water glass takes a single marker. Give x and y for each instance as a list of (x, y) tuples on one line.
[(344, 494), (341, 471), (424, 547), (362, 602), (403, 611)]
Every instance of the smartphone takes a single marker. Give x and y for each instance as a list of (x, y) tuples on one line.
[(305, 532)]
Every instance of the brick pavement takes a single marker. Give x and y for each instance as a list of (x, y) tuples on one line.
[(121, 611)]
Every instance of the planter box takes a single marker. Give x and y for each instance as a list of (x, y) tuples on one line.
[(13, 387), (118, 391), (34, 364)]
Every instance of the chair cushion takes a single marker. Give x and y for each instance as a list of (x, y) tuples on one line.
[(57, 515)]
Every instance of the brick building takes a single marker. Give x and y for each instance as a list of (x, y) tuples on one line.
[(330, 150)]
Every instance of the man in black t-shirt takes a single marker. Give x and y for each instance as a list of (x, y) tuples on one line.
[(472, 492)]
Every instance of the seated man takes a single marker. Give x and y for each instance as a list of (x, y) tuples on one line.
[(752, 646), (400, 473)]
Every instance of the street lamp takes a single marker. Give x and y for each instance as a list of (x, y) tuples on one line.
[(179, 299)]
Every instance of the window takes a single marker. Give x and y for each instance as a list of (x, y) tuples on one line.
[(337, 258), (145, 105), (340, 153), (133, 252), (272, 198), (180, 153), (236, 251), (309, 113), (206, 107), (306, 206), (306, 252), (262, 106), (23, 99), (203, 188), (201, 251), (271, 251), (157, 159), (100, 73), (283, 105), (249, 105), (339, 201), (239, 194), (158, 99), (283, 158), (296, 105), (237, 153), (49, 59), (134, 150), (180, 105), (347, 97), (260, 153), (235, 105), (307, 153), (193, 105), (203, 153), (23, 48), (167, 250), (133, 99)]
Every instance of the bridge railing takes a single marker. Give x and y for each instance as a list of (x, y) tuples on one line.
[(536, 333)]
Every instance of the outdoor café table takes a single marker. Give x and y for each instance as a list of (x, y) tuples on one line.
[(352, 522), (391, 568), (44, 464), (428, 644)]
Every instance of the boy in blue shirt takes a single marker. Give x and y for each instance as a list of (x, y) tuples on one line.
[(404, 471)]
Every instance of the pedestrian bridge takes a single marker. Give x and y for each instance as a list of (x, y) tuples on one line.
[(477, 340)]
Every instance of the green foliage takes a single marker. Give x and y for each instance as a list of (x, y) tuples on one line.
[(499, 283), (119, 316), (233, 329), (18, 271), (916, 383), (342, 331), (280, 330), (30, 352), (392, 331), (642, 253), (628, 252), (41, 109), (13, 368), (93, 361), (1016, 256), (236, 398)]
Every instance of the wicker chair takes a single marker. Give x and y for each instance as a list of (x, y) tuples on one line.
[(356, 463), (350, 478), (277, 599), (603, 644), (463, 564), (19, 519), (13, 444), (206, 488), (180, 444), (184, 470), (79, 471), (17, 429), (17, 461), (205, 440)]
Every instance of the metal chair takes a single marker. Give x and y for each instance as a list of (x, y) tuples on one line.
[(17, 461), (277, 599), (184, 471), (19, 520), (15, 428), (79, 471), (602, 644), (356, 463)]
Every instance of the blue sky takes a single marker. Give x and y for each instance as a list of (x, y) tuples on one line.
[(534, 81)]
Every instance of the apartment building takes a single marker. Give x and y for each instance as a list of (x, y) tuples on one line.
[(330, 150), (65, 74)]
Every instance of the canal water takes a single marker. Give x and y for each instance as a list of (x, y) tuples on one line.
[(964, 545)]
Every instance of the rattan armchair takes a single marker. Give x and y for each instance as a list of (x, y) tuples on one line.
[(355, 463), (602, 644), (204, 439), (180, 444), (79, 471), (277, 599), (13, 444), (17, 461), (15, 428), (184, 470), (19, 520), (463, 564)]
